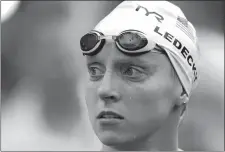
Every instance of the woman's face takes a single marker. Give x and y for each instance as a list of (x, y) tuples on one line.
[(140, 89)]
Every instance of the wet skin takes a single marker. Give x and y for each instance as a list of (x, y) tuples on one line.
[(140, 88)]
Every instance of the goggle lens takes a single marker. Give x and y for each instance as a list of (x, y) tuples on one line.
[(88, 41), (131, 41)]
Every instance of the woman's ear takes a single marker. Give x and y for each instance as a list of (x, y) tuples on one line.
[(182, 106), (183, 103), (182, 99)]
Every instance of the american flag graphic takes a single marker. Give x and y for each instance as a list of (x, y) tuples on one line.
[(182, 24)]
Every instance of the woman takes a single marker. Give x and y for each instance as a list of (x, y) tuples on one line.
[(142, 63)]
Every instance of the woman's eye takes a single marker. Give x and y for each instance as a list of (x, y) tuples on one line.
[(132, 72), (128, 72), (95, 73)]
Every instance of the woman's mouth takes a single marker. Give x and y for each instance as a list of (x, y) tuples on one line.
[(109, 115), (109, 118)]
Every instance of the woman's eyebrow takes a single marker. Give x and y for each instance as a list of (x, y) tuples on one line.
[(93, 63), (92, 60)]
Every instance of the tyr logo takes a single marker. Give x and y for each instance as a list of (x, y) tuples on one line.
[(157, 16)]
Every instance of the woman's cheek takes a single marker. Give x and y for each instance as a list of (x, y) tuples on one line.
[(91, 100), (147, 96)]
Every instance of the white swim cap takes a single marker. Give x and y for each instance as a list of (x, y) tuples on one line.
[(166, 25)]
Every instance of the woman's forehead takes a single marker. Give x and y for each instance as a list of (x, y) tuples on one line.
[(110, 53)]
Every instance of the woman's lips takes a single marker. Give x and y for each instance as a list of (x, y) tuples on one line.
[(109, 115)]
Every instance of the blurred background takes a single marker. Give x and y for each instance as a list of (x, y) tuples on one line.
[(42, 70)]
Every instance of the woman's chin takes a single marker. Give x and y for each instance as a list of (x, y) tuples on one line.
[(110, 138)]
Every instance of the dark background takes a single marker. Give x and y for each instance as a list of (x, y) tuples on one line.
[(42, 70)]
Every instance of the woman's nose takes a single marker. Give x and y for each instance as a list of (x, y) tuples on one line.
[(108, 91)]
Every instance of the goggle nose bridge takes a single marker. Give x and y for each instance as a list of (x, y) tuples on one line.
[(113, 37)]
